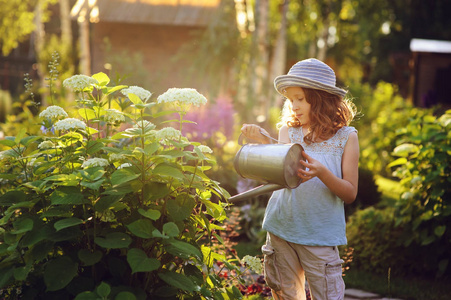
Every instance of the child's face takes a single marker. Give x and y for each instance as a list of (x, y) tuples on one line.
[(299, 104)]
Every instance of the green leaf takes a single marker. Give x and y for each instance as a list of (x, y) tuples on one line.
[(69, 222), (114, 240), (156, 190), (102, 78), (21, 273), (12, 197), (135, 99), (103, 290), (181, 207), (67, 196), (440, 230), (428, 240), (140, 262), (122, 176), (150, 213), (70, 139), (36, 235), (183, 250), (5, 275), (194, 273), (94, 146), (125, 296), (168, 170), (110, 90), (57, 211), (22, 132), (8, 143), (151, 148), (29, 139), (92, 185), (397, 162), (87, 114), (139, 106), (141, 228), (157, 234), (44, 168), (106, 202), (59, 272), (91, 131), (42, 250), (22, 225), (179, 281), (405, 149), (171, 229), (89, 258)]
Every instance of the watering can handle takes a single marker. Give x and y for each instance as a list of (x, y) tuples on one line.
[(271, 139)]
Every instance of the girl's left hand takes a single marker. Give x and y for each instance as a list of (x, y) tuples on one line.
[(313, 168)]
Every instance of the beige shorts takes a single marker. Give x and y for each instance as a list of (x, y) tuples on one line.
[(288, 264)]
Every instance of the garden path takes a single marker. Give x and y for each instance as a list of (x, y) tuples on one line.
[(355, 294)]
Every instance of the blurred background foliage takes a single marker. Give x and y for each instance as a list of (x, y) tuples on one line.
[(401, 220)]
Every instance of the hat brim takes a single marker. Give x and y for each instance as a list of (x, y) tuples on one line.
[(284, 81)]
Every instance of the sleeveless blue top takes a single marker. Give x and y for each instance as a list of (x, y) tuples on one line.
[(311, 214)]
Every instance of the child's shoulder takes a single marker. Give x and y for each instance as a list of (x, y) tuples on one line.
[(343, 133), (346, 130)]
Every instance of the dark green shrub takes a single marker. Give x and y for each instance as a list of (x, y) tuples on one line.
[(413, 237), (384, 112), (424, 210), (373, 237)]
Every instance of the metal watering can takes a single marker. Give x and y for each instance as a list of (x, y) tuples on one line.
[(276, 164)]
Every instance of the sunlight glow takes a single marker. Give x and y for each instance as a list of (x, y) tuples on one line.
[(206, 3), (386, 28)]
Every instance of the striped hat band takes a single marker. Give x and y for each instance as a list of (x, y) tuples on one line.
[(309, 73)]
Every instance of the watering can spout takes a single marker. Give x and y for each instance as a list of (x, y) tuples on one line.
[(262, 189)]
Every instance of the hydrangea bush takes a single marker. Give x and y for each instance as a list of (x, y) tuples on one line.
[(104, 204)]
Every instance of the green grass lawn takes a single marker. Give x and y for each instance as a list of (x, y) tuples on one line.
[(402, 288)]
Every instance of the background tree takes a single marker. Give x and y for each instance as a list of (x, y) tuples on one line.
[(16, 23)]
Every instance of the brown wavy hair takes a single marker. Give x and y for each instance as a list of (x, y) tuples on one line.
[(328, 113)]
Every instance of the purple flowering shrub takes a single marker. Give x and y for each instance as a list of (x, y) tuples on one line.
[(210, 119)]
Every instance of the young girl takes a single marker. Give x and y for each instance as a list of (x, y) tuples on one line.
[(306, 224)]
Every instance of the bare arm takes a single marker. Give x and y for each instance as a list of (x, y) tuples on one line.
[(284, 138), (253, 132), (345, 188)]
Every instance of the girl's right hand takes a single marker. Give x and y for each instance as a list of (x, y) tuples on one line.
[(254, 132)]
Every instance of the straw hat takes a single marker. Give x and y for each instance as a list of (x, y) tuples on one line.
[(309, 73)]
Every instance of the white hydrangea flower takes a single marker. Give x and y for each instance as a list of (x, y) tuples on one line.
[(125, 165), (205, 149), (79, 82), (46, 145), (116, 156), (113, 116), (143, 94), (95, 162), (69, 123), (168, 133), (182, 97), (144, 124), (254, 263), (53, 112)]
